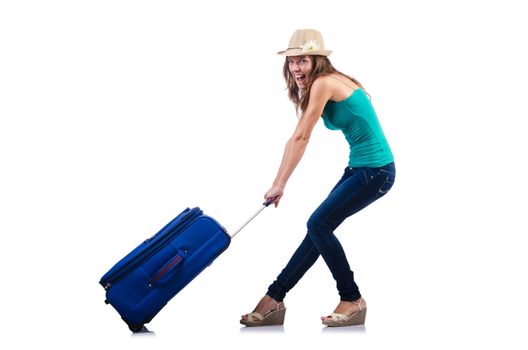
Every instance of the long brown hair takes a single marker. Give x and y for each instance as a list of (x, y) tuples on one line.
[(321, 66)]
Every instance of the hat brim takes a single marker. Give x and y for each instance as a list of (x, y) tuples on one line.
[(300, 52)]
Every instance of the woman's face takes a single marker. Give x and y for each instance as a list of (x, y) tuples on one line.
[(300, 68)]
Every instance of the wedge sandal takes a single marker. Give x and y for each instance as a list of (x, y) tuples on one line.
[(272, 318), (342, 320)]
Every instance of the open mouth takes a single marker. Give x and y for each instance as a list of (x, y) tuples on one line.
[(301, 79)]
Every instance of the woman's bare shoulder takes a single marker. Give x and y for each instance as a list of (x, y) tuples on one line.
[(323, 82)]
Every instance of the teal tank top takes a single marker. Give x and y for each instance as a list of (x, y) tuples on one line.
[(356, 118)]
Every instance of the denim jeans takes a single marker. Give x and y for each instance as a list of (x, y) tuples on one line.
[(358, 188)]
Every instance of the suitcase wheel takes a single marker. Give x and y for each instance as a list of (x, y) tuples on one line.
[(136, 328)]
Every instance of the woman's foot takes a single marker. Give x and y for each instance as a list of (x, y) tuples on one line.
[(347, 313), (268, 312)]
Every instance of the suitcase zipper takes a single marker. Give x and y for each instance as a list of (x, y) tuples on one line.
[(125, 270)]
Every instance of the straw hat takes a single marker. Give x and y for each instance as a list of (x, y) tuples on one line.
[(305, 42)]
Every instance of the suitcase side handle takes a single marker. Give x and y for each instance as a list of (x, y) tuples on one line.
[(161, 276)]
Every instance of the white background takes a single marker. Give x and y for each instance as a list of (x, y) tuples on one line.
[(117, 115)]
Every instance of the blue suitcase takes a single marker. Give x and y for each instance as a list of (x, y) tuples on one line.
[(144, 281)]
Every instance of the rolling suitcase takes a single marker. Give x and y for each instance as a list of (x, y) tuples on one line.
[(142, 283)]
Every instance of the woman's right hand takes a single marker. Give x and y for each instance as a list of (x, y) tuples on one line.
[(275, 193)]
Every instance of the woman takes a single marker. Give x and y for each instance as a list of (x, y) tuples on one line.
[(317, 89)]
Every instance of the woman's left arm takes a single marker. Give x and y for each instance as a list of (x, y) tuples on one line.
[(296, 145)]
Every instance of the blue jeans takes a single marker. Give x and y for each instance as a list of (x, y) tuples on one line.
[(358, 188)]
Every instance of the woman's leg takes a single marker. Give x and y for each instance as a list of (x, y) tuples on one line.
[(301, 261), (364, 186), (356, 189)]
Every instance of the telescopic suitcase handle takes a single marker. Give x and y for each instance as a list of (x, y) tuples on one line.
[(264, 206)]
